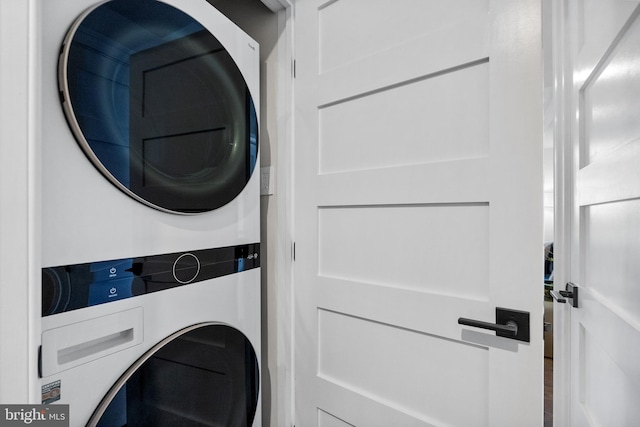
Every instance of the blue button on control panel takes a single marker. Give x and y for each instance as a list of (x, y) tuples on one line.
[(110, 290)]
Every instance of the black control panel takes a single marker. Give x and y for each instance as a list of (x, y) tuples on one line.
[(70, 287)]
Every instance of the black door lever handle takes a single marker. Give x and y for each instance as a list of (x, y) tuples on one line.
[(512, 324), (510, 327), (571, 293), (558, 296)]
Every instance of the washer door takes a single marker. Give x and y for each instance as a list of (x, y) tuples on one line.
[(158, 105), (205, 375)]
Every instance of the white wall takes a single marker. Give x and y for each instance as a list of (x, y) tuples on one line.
[(19, 272)]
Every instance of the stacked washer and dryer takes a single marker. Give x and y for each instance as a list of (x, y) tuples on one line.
[(150, 214)]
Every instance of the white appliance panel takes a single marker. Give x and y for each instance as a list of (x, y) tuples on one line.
[(85, 217)]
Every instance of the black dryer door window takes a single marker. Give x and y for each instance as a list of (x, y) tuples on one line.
[(158, 105), (205, 375)]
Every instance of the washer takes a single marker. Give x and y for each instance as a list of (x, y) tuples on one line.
[(150, 213), (178, 354)]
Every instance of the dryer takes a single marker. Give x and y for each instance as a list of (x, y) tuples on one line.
[(150, 213)]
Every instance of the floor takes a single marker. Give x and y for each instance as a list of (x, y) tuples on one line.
[(548, 392)]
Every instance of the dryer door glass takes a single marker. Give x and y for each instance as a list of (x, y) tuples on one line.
[(206, 375), (158, 105)]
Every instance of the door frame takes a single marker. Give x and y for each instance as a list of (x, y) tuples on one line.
[(280, 397), (564, 194)]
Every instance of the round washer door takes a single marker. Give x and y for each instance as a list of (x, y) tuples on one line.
[(158, 105), (206, 374)]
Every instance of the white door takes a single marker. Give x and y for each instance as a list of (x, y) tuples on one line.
[(603, 53), (418, 200)]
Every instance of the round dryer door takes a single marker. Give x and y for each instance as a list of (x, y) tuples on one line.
[(158, 105), (205, 375)]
